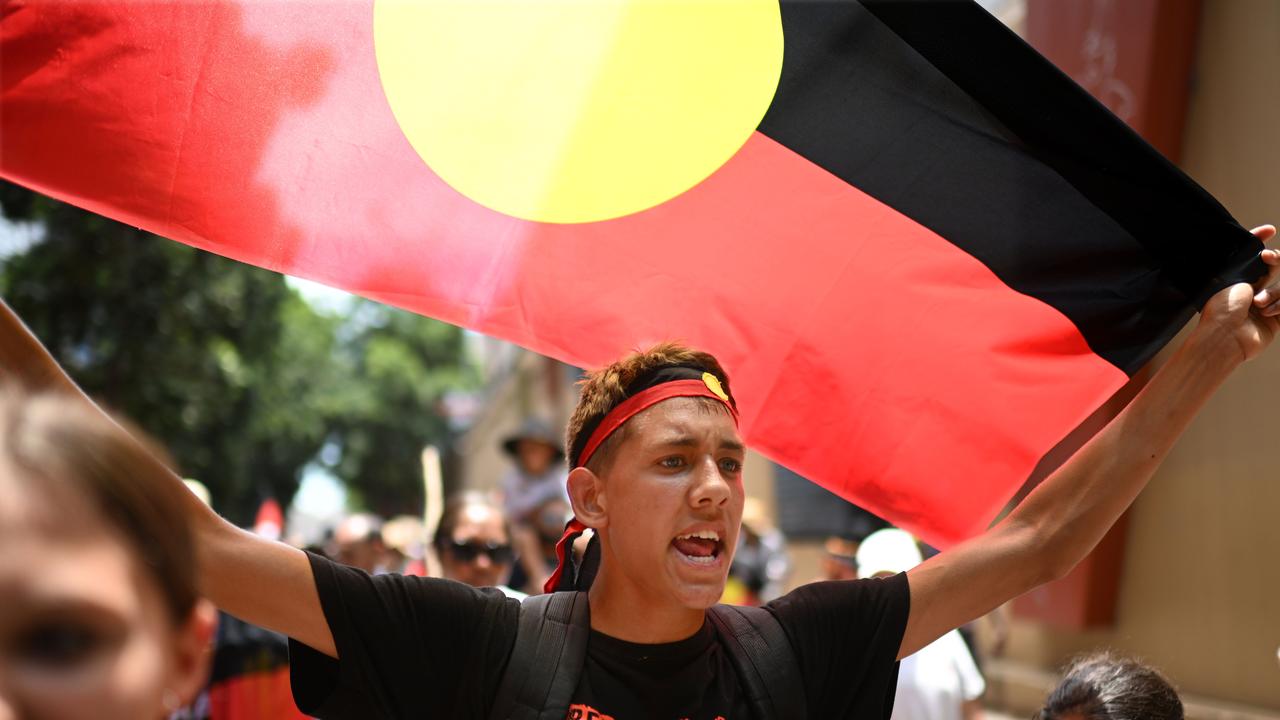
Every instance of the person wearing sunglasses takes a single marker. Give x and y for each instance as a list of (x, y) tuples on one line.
[(473, 540)]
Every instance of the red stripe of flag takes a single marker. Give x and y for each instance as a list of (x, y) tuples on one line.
[(868, 353)]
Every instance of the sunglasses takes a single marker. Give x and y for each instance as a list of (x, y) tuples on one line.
[(469, 551)]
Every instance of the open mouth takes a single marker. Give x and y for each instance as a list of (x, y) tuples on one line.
[(702, 548)]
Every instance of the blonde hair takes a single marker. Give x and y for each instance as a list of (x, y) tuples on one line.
[(56, 445)]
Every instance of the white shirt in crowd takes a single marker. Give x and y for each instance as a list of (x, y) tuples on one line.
[(934, 683)]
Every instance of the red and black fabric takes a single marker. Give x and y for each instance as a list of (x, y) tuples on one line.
[(249, 677), (934, 258), (982, 140)]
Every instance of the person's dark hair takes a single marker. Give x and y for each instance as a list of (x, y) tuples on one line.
[(1106, 687), (57, 447), (453, 509)]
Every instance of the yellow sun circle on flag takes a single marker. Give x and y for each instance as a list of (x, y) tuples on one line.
[(572, 111)]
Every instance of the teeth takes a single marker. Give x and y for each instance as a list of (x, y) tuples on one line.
[(702, 535), (708, 560)]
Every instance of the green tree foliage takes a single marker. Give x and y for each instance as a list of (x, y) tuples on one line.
[(227, 366), (405, 367)]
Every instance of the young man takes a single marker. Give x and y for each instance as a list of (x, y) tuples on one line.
[(660, 482)]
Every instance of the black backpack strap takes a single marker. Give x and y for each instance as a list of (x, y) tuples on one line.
[(766, 663), (547, 660)]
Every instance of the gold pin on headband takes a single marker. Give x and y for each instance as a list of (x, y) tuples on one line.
[(713, 384)]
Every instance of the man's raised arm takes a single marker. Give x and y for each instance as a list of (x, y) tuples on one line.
[(266, 583), (1061, 521)]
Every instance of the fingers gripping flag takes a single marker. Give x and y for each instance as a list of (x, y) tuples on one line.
[(922, 252)]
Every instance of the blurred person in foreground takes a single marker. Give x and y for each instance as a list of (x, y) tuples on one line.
[(100, 617), (656, 461), (535, 479), (940, 681), (473, 540), (1103, 686)]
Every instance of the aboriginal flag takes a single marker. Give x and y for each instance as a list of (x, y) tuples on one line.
[(922, 252)]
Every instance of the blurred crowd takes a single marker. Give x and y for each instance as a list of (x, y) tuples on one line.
[(125, 512)]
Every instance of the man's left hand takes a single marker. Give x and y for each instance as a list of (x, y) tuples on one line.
[(1247, 316)]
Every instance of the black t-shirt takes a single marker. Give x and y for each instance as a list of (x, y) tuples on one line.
[(416, 647)]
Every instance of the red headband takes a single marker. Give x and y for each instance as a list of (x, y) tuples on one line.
[(708, 386)]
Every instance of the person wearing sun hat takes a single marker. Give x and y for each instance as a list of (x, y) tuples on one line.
[(537, 473), (536, 478)]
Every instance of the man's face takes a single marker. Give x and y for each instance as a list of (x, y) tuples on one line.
[(480, 552), (673, 495)]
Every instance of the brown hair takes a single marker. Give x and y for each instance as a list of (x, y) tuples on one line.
[(59, 447), (1106, 687), (606, 388)]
